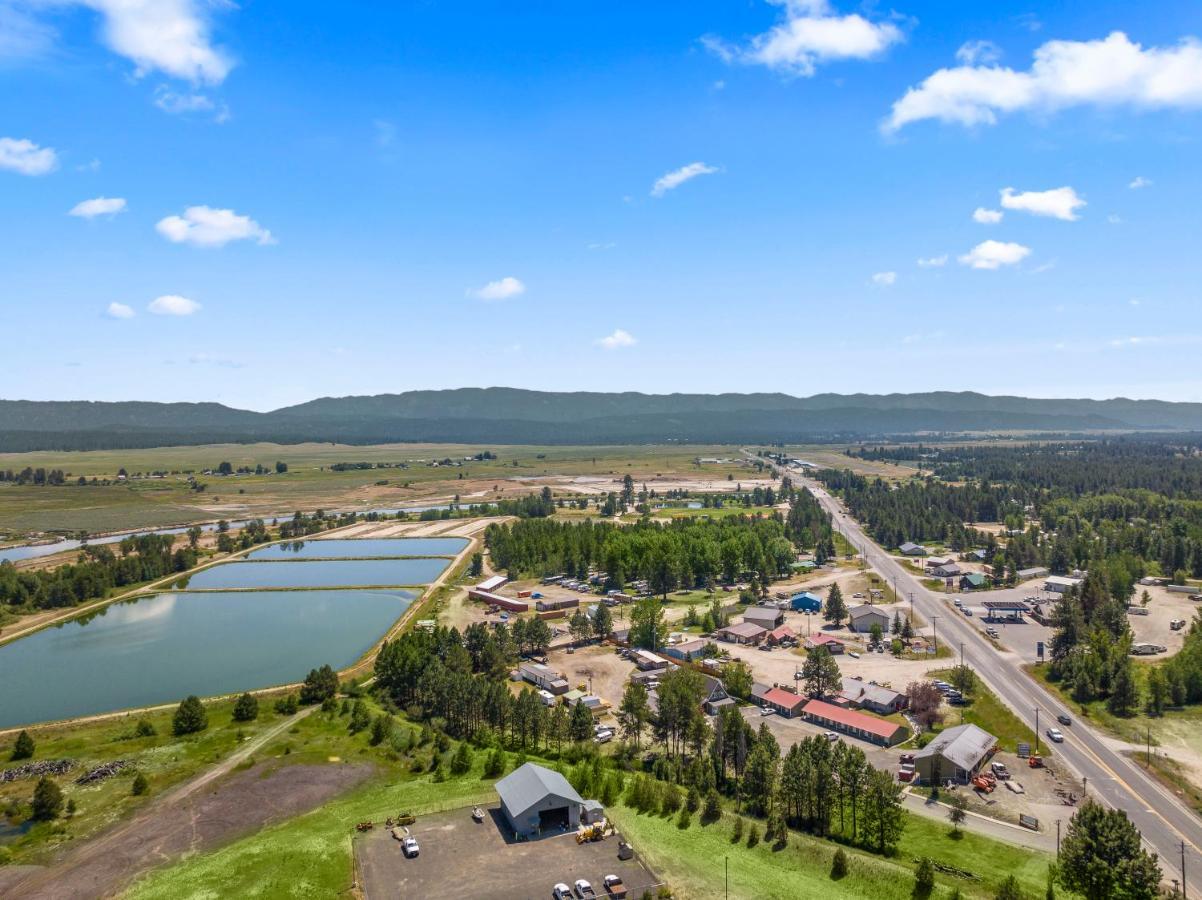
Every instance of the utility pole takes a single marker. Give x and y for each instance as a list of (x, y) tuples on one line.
[(1057, 837), (1184, 887), (1037, 729), (1148, 753), (727, 858), (935, 633)]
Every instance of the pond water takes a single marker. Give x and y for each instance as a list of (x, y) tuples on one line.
[(316, 574), (37, 551), (162, 648), (343, 548)]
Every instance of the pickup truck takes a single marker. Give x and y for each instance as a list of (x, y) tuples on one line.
[(614, 886)]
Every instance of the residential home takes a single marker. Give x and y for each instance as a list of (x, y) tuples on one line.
[(871, 696), (781, 635), (911, 549), (947, 570), (831, 643), (973, 581), (688, 651)]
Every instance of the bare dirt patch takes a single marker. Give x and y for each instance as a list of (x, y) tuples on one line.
[(220, 813)]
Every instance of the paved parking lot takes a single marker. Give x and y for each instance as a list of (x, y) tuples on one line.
[(461, 858)]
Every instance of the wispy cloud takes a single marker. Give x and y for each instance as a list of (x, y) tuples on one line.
[(617, 340), (502, 289), (1058, 203), (1139, 182), (932, 262), (994, 255), (810, 33), (119, 311), (677, 177), (884, 279), (98, 206), (173, 305), (189, 103), (26, 158), (204, 226), (1110, 72), (987, 216)]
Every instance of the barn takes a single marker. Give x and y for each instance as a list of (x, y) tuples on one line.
[(537, 801)]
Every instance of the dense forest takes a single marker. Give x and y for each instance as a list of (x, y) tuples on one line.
[(694, 552)]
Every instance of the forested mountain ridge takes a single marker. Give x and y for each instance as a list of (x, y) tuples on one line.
[(515, 416)]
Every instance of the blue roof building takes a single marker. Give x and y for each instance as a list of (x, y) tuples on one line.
[(805, 602)]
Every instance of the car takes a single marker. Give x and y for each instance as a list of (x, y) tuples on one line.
[(561, 892), (1064, 720), (857, 596), (767, 711), (764, 647), (967, 611), (853, 654), (797, 676), (409, 848), (830, 736), (942, 686), (584, 890), (614, 887), (992, 632), (604, 736), (958, 602), (1055, 736)]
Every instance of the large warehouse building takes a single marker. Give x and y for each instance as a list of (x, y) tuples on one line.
[(538, 801), (956, 753)]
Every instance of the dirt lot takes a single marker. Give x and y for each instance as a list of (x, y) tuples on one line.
[(463, 858), (609, 673), (1164, 606), (217, 815)]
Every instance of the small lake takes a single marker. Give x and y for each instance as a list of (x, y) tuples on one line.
[(344, 548), (316, 574), (37, 551), (162, 648)]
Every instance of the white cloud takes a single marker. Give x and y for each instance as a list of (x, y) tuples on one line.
[(22, 36), (185, 104), (617, 340), (503, 289), (98, 206), (1058, 203), (1139, 182), (203, 226), (26, 158), (1114, 219), (932, 262), (1113, 71), (169, 36), (119, 311), (677, 177), (987, 216), (994, 255), (884, 279), (973, 53), (811, 32), (173, 305)]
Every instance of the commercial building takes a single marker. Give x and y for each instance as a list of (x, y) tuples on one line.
[(911, 549), (1008, 610), (856, 724), (495, 583), (874, 697), (687, 651), (956, 753), (973, 581), (743, 633), (806, 602), (767, 617), (1060, 584), (538, 801), (862, 618), (648, 661), (787, 703), (547, 604), (1034, 572), (496, 600), (833, 644), (543, 677)]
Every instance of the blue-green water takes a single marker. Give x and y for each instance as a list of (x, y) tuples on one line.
[(336, 548), (162, 648), (318, 573)]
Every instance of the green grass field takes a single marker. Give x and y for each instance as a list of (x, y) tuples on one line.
[(146, 502), (988, 712)]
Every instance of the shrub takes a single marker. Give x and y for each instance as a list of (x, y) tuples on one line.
[(753, 836), (320, 685), (246, 708), (381, 728), (839, 865), (190, 717), (737, 834), (360, 718), (461, 762), (494, 763), (684, 819), (692, 800), (24, 747), (1009, 889), (140, 785), (924, 878), (145, 728), (287, 706), (713, 807)]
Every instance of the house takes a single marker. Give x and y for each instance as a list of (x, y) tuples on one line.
[(1059, 584), (934, 562), (911, 549), (1034, 572), (743, 633), (492, 584), (862, 618), (856, 724), (947, 570), (648, 661), (874, 697), (758, 692), (766, 617), (832, 644), (688, 651), (543, 677), (977, 555), (956, 753), (714, 696), (782, 634), (784, 702), (806, 602), (973, 581), (536, 801)]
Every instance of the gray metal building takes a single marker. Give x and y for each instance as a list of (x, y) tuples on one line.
[(537, 801)]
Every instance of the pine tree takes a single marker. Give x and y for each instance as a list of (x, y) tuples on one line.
[(24, 747), (47, 800), (246, 708), (190, 717), (836, 609)]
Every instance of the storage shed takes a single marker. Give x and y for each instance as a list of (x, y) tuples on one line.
[(536, 800)]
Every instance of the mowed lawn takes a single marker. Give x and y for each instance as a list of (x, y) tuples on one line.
[(694, 862), (988, 712)]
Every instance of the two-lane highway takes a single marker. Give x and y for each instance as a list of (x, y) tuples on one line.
[(1165, 822)]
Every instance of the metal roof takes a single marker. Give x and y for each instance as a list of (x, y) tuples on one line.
[(528, 785), (849, 718), (964, 746)]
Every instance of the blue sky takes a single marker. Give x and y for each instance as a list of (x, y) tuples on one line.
[(275, 201)]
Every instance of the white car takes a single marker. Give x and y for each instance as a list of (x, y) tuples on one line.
[(830, 736), (1055, 736), (584, 890), (853, 654), (409, 847), (767, 711), (604, 736), (561, 892)]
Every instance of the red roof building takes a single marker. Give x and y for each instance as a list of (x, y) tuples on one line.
[(784, 702), (784, 633), (833, 644), (856, 724)]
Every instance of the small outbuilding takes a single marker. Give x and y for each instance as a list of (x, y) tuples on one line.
[(537, 800), (909, 548)]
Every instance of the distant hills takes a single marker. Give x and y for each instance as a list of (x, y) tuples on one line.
[(513, 416)]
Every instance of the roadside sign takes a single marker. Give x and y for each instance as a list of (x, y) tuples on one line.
[(1039, 650)]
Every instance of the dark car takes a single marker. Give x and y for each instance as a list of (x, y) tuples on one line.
[(1064, 720)]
